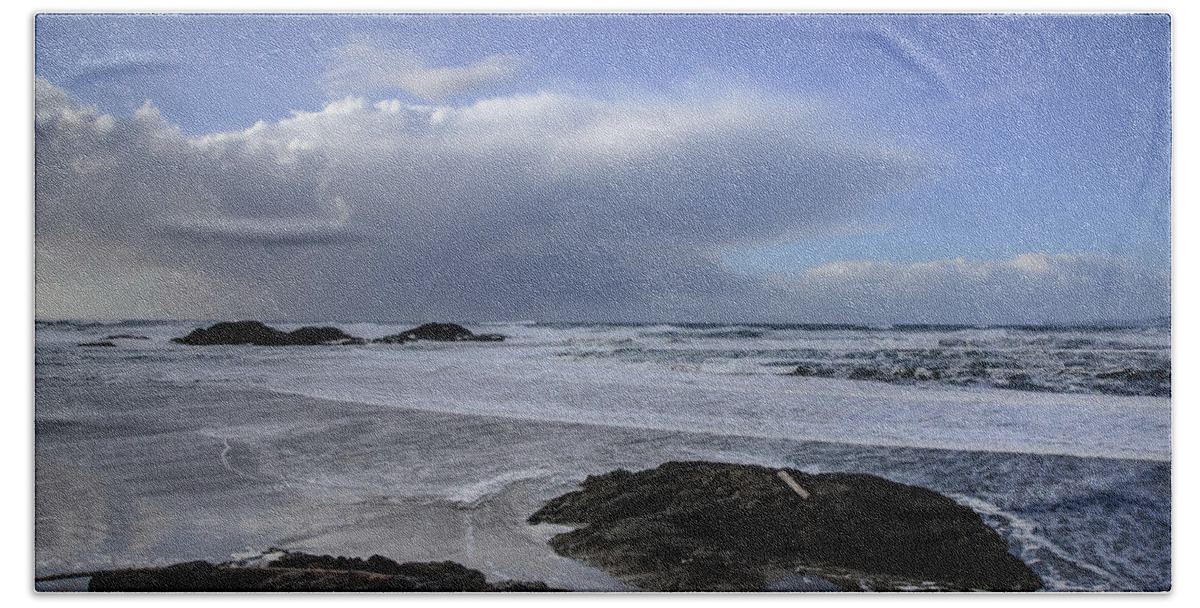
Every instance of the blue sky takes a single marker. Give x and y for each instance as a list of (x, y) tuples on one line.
[(878, 168)]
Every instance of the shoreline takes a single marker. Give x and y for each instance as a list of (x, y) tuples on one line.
[(419, 492), (719, 527)]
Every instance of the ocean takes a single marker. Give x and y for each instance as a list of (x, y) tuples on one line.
[(151, 453)]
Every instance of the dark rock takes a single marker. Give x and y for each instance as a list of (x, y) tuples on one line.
[(240, 332), (1138, 375), (804, 370), (312, 336), (437, 576), (259, 334), (205, 577), (440, 332), (863, 373), (126, 337), (106, 343), (447, 332), (189, 576), (304, 572), (700, 526), (523, 587)]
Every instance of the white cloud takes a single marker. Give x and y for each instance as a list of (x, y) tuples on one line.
[(529, 206), (362, 66), (1029, 288)]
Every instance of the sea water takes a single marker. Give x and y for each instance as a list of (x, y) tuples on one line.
[(150, 452)]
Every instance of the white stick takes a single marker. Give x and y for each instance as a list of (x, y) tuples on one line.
[(793, 485)]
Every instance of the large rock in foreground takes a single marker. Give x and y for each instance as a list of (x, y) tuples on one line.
[(259, 334), (303, 572), (440, 332), (701, 526)]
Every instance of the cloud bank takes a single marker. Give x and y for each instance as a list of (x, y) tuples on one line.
[(539, 206), (1029, 288), (362, 66)]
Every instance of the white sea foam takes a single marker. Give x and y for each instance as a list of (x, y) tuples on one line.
[(1034, 544), (522, 383), (469, 496), (643, 377)]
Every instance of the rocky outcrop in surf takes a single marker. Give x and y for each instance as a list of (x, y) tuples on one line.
[(440, 332), (304, 572), (702, 526), (259, 334)]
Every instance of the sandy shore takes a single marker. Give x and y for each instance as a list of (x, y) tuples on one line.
[(171, 474)]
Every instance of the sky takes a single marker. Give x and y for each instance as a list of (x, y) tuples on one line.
[(787, 168)]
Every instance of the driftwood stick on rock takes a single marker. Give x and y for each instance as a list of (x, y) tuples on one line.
[(793, 485), (705, 526)]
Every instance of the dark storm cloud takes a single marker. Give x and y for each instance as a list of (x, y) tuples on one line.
[(540, 205), (534, 206)]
